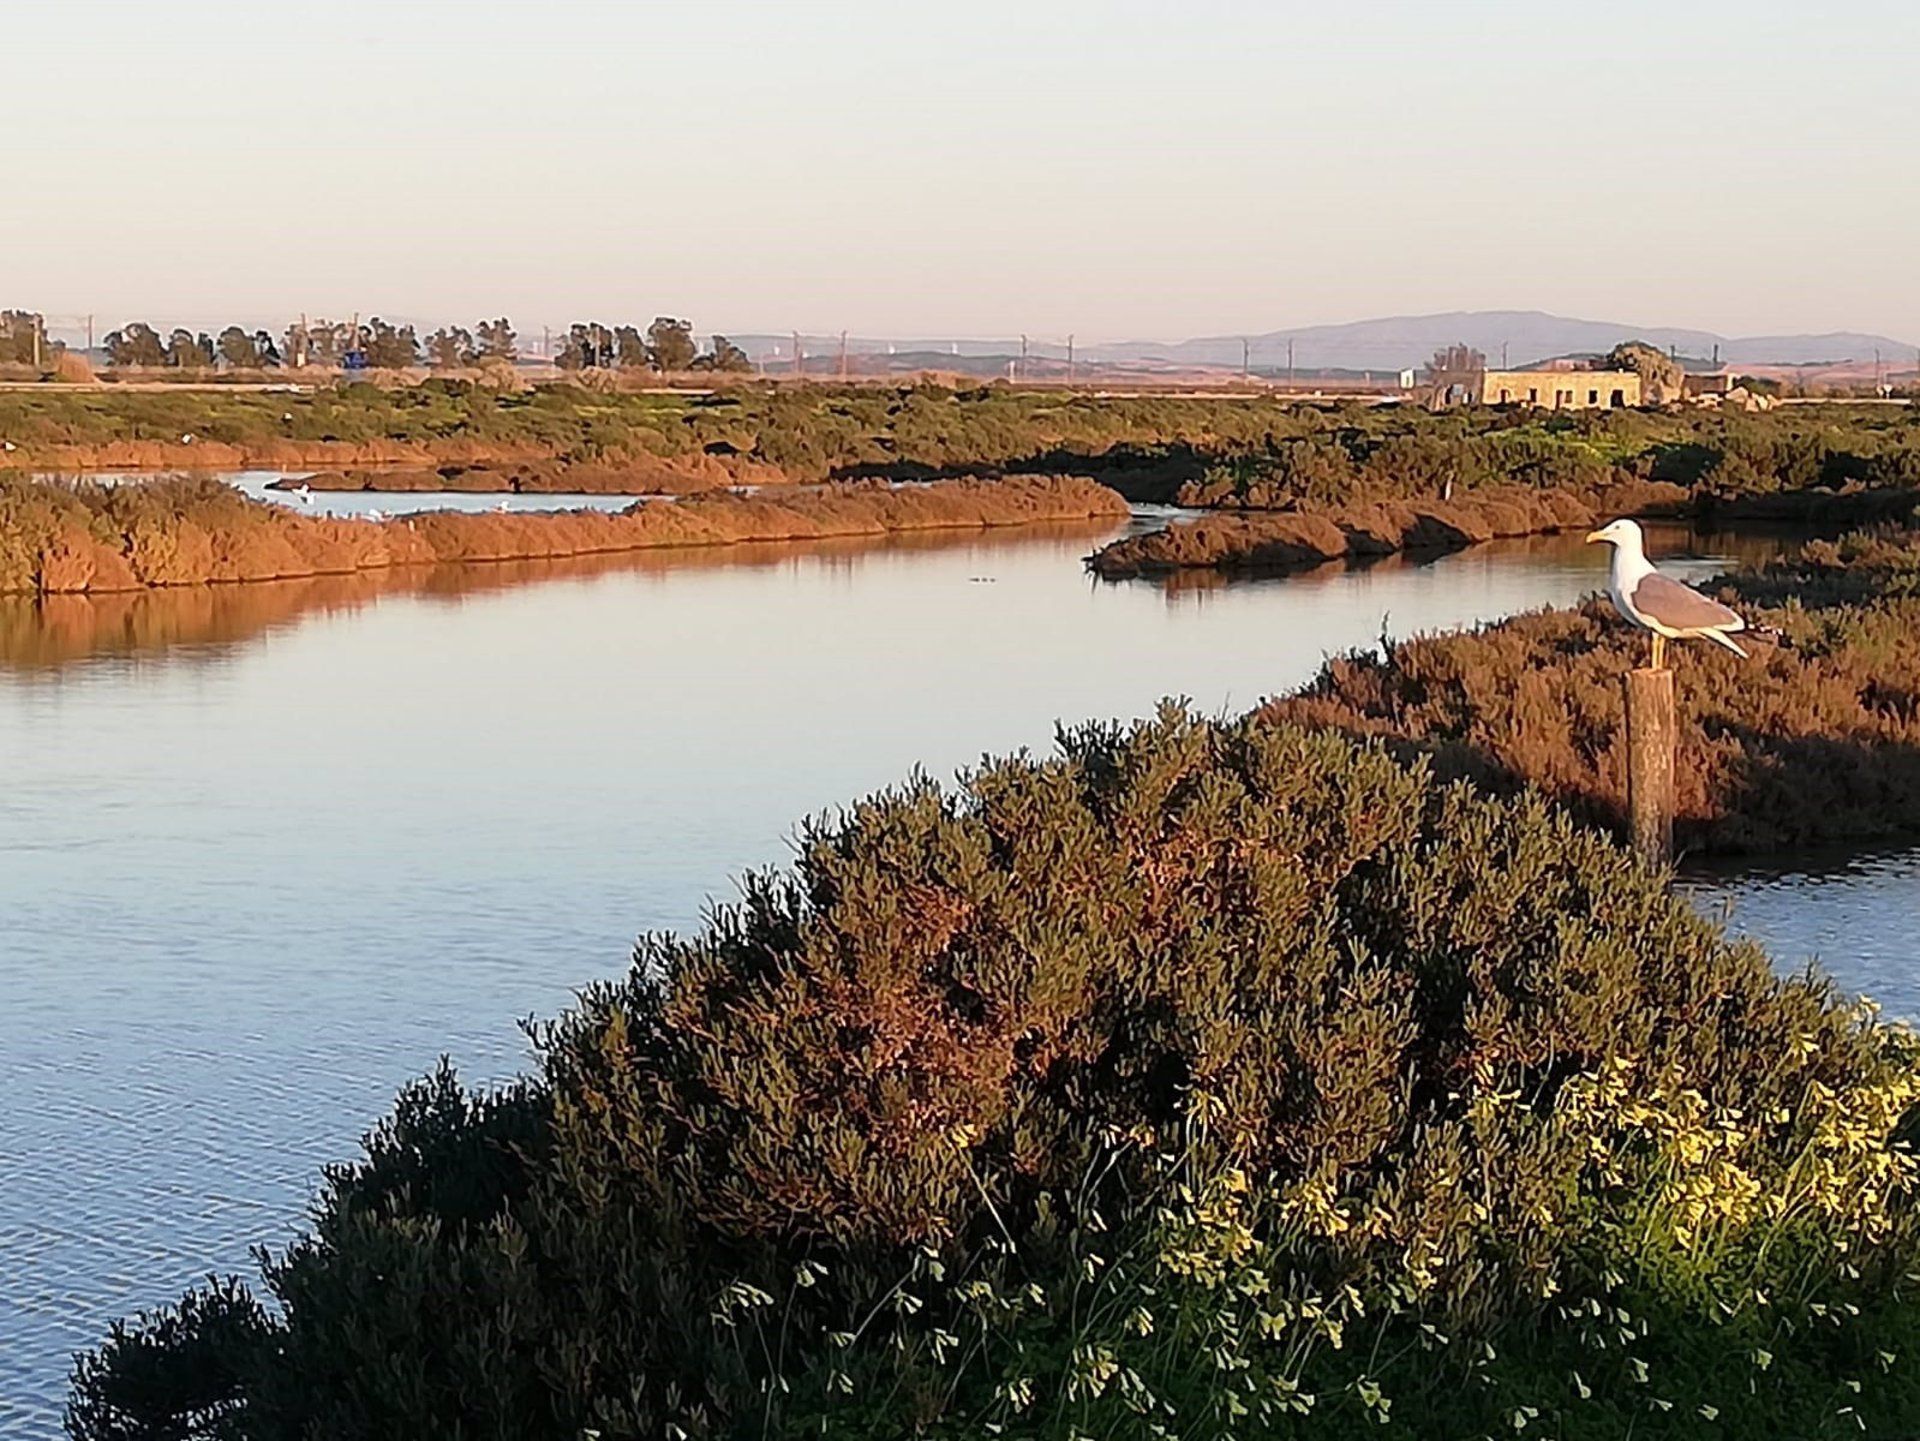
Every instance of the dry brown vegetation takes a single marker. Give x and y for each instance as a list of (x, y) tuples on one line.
[(1816, 739), (82, 538), (1257, 540)]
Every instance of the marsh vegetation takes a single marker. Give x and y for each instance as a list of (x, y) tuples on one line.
[(1198, 1079), (63, 538)]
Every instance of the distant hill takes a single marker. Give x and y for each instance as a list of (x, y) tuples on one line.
[(1379, 346), (1526, 335)]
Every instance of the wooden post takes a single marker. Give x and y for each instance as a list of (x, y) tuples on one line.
[(1652, 735)]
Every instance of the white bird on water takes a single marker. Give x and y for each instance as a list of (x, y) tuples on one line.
[(1659, 603)]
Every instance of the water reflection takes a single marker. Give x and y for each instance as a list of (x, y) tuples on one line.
[(267, 851), (45, 632)]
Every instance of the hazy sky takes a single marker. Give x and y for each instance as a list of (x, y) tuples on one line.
[(980, 168)]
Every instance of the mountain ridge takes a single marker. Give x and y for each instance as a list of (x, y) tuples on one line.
[(1401, 341), (1388, 344)]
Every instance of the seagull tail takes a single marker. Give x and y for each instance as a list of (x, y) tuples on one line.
[(1726, 640)]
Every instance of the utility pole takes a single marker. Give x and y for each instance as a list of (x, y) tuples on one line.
[(1069, 359), (1289, 360), (546, 343), (799, 356), (89, 334), (1246, 359), (39, 325), (1503, 355), (843, 357), (1021, 373)]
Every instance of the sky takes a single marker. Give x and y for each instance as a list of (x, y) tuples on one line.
[(1117, 170)]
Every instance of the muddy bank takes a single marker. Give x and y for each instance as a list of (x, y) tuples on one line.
[(1278, 540), (73, 539)]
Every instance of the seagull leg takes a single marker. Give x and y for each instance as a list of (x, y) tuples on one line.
[(1659, 651)]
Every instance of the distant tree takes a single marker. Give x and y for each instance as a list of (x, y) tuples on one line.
[(1457, 360), (728, 356), (186, 351), (451, 348), (135, 343), (264, 347), (670, 344), (496, 339), (588, 345), (391, 347), (630, 348), (23, 338), (1454, 372), (238, 350), (1662, 378), (318, 342)]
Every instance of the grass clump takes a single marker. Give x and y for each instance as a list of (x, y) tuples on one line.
[(1199, 1080)]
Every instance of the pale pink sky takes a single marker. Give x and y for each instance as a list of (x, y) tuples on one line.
[(1117, 170)]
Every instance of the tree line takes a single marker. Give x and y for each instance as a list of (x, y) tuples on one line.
[(667, 344)]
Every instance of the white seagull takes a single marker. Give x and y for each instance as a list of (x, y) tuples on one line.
[(1659, 603)]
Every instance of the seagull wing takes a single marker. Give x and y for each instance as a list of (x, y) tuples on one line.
[(1679, 607)]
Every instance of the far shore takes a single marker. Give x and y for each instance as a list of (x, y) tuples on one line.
[(63, 541)]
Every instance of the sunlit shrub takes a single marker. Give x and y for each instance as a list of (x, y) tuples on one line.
[(1200, 1076)]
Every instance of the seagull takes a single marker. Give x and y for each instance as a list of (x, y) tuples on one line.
[(305, 493), (1660, 603)]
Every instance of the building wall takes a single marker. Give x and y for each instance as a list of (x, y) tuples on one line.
[(1561, 389), (1717, 383)]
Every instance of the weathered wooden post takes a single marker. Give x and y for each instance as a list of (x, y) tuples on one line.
[(1652, 736)]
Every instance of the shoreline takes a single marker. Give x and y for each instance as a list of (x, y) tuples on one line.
[(1234, 540), (206, 534)]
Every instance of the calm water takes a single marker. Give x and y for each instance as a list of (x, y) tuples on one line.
[(267, 851), (351, 503)]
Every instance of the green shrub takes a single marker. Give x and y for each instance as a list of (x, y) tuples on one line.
[(1201, 1077)]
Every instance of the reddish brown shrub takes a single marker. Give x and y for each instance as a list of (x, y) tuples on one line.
[(1815, 739), (55, 539)]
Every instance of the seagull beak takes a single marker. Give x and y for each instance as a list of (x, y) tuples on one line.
[(1594, 535)]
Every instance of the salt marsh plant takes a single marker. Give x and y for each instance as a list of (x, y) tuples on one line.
[(1199, 1080)]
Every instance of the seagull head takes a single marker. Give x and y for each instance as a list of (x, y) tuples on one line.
[(1623, 533)]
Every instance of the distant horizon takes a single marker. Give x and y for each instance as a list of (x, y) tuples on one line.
[(1118, 171), (1472, 324)]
